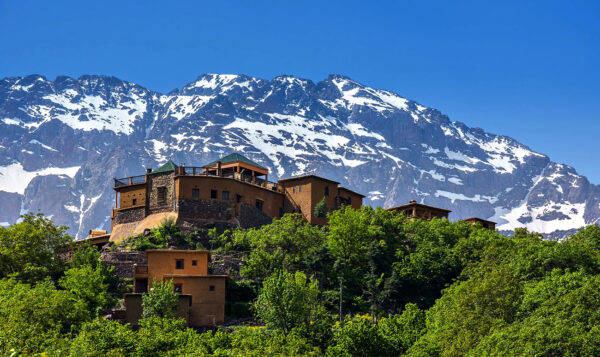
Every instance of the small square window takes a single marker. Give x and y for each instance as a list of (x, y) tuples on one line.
[(259, 204), (195, 193), (211, 288), (194, 262), (225, 195), (135, 201), (179, 264), (213, 194), (178, 288)]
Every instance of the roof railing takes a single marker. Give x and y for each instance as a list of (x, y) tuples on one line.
[(131, 180)]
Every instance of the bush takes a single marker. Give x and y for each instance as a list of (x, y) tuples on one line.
[(104, 338), (162, 300), (34, 249), (38, 318), (287, 300)]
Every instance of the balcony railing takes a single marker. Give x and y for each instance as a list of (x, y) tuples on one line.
[(132, 180), (198, 171)]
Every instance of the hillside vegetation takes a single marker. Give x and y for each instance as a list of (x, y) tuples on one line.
[(372, 283)]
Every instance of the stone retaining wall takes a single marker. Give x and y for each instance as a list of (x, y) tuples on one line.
[(124, 261), (129, 215)]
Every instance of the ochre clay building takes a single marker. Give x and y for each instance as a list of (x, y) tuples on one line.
[(202, 296), (413, 209), (484, 223), (231, 192)]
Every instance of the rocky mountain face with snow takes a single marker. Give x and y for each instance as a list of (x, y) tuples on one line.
[(63, 141)]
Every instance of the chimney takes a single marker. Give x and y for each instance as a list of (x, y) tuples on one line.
[(219, 172), (412, 201)]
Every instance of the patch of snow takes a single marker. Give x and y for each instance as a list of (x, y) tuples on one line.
[(455, 180), (116, 116), (459, 196), (158, 148), (14, 179), (71, 208), (360, 130), (42, 145), (429, 149), (454, 155)]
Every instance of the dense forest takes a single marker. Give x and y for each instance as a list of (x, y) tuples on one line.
[(371, 283)]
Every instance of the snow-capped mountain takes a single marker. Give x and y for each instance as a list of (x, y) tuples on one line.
[(62, 142)]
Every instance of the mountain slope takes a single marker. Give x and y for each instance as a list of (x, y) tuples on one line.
[(62, 141)]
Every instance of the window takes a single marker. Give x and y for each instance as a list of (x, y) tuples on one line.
[(194, 262), (195, 193), (300, 188), (259, 204), (179, 264), (280, 212), (211, 288), (294, 189), (213, 194), (225, 195), (161, 195), (178, 288), (134, 201), (349, 200), (326, 190), (238, 198)]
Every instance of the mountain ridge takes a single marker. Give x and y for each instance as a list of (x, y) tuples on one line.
[(390, 148)]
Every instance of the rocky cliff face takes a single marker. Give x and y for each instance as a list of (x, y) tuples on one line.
[(62, 142)]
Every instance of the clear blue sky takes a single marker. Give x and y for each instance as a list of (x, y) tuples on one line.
[(526, 69)]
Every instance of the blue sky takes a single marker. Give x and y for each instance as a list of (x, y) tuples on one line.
[(526, 69)]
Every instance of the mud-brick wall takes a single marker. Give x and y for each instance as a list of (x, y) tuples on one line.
[(161, 180), (251, 216), (129, 215), (205, 209)]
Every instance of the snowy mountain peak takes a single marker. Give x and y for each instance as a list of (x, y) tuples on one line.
[(62, 141)]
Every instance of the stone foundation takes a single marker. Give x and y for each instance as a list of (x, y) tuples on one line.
[(129, 215), (252, 217), (124, 261), (205, 210)]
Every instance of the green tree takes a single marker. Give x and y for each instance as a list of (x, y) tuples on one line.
[(89, 285), (102, 337), (558, 316), (38, 318), (468, 311), (589, 235), (288, 243), (321, 209), (287, 300), (357, 337), (33, 249), (161, 301)]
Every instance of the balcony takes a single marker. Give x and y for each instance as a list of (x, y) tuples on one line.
[(140, 270), (198, 171), (132, 180)]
